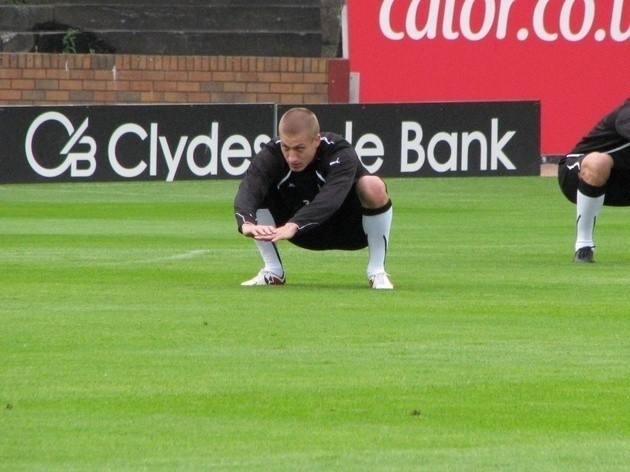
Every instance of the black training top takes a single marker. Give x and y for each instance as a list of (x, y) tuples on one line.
[(611, 133), (312, 195)]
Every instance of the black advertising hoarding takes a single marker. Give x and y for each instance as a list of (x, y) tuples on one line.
[(184, 142), (439, 139), (126, 142)]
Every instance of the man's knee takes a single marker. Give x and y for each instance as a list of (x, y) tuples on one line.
[(595, 168), (372, 191)]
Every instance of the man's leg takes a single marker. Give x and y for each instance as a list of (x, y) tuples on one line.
[(273, 272), (594, 173), (377, 222)]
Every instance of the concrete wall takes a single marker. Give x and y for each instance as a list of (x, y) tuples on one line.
[(190, 27)]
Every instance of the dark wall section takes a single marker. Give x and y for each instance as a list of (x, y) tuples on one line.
[(192, 27)]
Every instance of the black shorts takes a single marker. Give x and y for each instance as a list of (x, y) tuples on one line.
[(618, 185), (343, 230)]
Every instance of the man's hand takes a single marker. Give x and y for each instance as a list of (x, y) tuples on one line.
[(258, 231), (269, 233), (285, 232)]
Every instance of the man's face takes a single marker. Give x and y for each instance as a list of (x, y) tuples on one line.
[(299, 150)]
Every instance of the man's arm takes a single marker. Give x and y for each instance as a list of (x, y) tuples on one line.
[(339, 181), (253, 188)]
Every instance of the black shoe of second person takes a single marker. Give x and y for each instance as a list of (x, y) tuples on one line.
[(584, 255)]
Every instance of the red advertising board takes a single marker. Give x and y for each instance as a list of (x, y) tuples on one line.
[(572, 55)]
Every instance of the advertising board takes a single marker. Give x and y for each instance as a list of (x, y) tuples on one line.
[(439, 139), (144, 142), (572, 55), (184, 142)]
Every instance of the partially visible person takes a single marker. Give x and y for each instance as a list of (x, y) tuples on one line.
[(597, 173), (310, 188)]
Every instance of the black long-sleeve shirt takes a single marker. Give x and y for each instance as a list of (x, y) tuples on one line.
[(610, 133), (312, 195)]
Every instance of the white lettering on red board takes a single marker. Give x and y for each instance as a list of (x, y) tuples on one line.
[(458, 24)]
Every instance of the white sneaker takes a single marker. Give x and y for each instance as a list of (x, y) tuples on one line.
[(381, 281), (264, 277)]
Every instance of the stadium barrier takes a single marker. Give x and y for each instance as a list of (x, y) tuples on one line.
[(183, 142)]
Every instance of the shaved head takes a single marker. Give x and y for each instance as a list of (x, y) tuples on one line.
[(298, 121), (299, 137)]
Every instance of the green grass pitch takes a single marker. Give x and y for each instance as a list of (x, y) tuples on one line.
[(127, 343)]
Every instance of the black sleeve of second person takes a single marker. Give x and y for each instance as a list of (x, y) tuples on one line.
[(622, 123)]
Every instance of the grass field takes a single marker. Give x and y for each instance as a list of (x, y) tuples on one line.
[(126, 342)]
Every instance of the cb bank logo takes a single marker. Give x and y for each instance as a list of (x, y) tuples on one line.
[(81, 164)]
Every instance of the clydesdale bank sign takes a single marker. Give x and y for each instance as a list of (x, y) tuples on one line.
[(185, 142)]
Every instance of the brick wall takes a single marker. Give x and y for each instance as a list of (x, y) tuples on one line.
[(48, 79)]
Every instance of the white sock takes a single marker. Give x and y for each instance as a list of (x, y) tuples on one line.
[(271, 258), (377, 228), (587, 209), (269, 251)]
